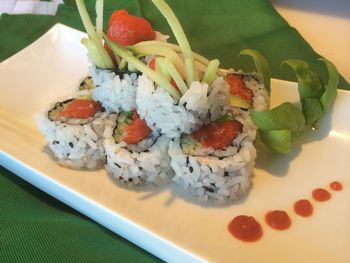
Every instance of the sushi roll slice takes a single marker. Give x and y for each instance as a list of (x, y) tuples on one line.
[(115, 90), (216, 162), (73, 130), (246, 91), (136, 155), (116, 86), (199, 104)]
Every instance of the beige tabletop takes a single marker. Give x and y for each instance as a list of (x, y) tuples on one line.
[(324, 24)]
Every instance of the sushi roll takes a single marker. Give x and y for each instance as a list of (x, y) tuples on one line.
[(199, 103), (246, 91), (116, 86), (136, 155), (73, 129), (114, 89), (216, 162)]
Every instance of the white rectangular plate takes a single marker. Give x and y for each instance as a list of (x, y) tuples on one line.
[(165, 221)]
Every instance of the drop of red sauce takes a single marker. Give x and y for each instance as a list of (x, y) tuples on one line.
[(303, 208), (278, 219), (321, 195), (245, 228), (336, 186)]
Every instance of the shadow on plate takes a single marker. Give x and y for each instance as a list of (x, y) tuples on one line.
[(277, 164), (178, 193)]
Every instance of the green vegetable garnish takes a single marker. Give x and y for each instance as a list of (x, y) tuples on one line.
[(283, 125), (312, 110), (329, 96), (169, 67), (280, 127), (309, 84), (197, 57), (180, 37), (210, 74), (97, 52), (315, 99), (277, 140), (140, 66), (261, 65), (286, 116), (161, 50), (99, 19)]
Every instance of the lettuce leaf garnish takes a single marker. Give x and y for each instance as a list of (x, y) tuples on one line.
[(261, 65), (279, 127), (285, 116), (277, 140), (283, 125), (329, 96)]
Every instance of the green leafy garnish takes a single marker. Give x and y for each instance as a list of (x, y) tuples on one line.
[(329, 96), (283, 125), (309, 84), (312, 110), (279, 127), (315, 98), (277, 140), (285, 116), (261, 65)]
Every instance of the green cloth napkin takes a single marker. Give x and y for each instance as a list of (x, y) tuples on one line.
[(36, 228)]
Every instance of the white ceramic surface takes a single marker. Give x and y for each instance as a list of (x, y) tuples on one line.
[(163, 221)]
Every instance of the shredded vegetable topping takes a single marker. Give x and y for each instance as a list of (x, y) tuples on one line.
[(176, 67)]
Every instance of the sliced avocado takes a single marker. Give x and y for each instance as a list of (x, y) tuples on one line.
[(85, 97), (189, 145), (224, 118), (124, 119), (87, 84), (237, 101), (53, 114)]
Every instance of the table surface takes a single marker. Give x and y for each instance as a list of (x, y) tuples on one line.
[(330, 36)]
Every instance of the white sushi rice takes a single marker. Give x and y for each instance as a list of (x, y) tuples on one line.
[(261, 99), (75, 146), (115, 93), (195, 107), (158, 109), (148, 167), (214, 178)]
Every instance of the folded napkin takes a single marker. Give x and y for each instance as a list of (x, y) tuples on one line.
[(36, 228)]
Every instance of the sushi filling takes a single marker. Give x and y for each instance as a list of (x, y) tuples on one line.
[(80, 110), (87, 84), (134, 131), (213, 139), (145, 160)]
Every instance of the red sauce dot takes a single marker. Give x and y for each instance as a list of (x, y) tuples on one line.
[(303, 208), (336, 186), (245, 228), (321, 195), (278, 220)]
